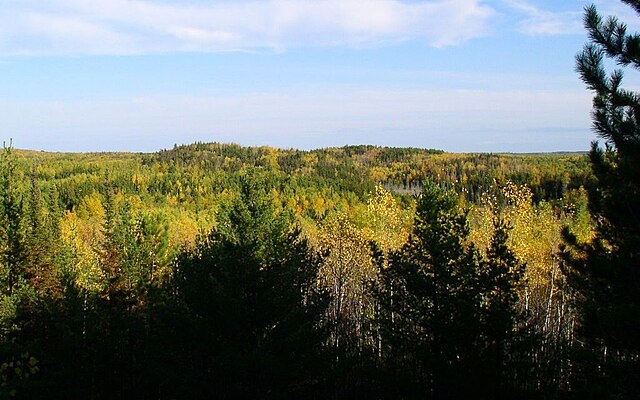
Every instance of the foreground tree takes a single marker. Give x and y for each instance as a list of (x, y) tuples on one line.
[(605, 272), (449, 315), (251, 310)]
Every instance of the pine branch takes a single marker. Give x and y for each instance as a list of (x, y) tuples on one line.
[(611, 35), (633, 3)]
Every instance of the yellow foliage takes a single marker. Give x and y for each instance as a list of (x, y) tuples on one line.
[(348, 268), (82, 237), (387, 223), (183, 231), (141, 182), (90, 208), (535, 234), (270, 157)]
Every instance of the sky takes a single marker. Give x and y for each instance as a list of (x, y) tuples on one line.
[(145, 75)]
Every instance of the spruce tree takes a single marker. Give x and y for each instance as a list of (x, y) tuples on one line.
[(431, 301), (606, 271), (250, 306), (12, 251), (501, 278)]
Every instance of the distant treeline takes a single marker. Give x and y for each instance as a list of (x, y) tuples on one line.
[(549, 175)]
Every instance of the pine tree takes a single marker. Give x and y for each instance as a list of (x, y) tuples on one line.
[(12, 251), (501, 275), (431, 301), (248, 295), (605, 272)]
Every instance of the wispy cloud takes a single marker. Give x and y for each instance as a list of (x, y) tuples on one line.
[(537, 21), (148, 26)]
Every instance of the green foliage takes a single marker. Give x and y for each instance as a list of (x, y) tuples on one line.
[(135, 251), (12, 252), (431, 294), (221, 270), (449, 313), (605, 271), (248, 291), (501, 276)]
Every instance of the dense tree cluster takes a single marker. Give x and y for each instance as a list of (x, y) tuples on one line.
[(208, 270)]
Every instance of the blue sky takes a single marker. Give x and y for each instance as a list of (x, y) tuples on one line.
[(142, 75)]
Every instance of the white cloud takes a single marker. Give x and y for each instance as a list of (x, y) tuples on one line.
[(536, 21), (143, 26)]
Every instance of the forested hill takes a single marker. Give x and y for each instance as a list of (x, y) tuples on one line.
[(360, 167), (254, 272)]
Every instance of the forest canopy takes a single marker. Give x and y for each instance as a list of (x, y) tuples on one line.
[(221, 270)]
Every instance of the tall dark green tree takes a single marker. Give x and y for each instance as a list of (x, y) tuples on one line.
[(450, 315), (12, 246), (606, 271), (248, 295), (432, 301), (41, 241), (501, 277)]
